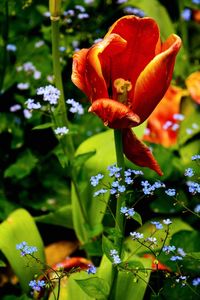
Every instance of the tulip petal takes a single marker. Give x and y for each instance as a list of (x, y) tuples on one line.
[(143, 43), (114, 114), (78, 71), (138, 152), (98, 64), (154, 80)]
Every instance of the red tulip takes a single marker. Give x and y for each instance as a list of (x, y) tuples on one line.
[(125, 76)]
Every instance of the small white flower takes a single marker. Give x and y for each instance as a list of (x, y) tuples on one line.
[(61, 130), (23, 86)]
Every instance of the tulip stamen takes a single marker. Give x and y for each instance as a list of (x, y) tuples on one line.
[(122, 87)]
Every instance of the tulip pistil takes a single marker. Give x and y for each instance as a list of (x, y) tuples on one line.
[(122, 87)]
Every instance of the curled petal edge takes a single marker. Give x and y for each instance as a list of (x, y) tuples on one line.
[(138, 153), (114, 114)]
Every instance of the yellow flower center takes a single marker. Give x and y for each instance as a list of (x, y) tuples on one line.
[(122, 87)]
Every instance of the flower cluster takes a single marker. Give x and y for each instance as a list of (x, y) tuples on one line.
[(196, 281), (32, 105), (114, 171), (49, 93), (25, 249), (76, 107), (189, 172), (117, 188), (167, 249), (170, 192), (61, 130), (148, 189), (193, 187), (195, 157), (91, 269), (37, 285), (29, 68), (115, 256), (94, 180), (128, 212)]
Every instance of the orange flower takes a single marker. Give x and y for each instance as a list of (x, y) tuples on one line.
[(125, 76), (193, 86), (165, 114)]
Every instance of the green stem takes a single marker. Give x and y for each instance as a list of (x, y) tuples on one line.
[(66, 141), (119, 224), (59, 85), (119, 220)]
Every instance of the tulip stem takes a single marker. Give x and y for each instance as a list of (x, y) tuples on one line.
[(58, 82), (119, 224), (119, 219), (60, 115)]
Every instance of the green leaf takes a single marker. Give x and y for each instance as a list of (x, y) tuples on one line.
[(137, 218), (107, 245), (194, 255), (19, 227), (129, 284), (43, 126), (80, 160), (23, 166), (103, 145), (60, 217), (187, 240), (158, 12), (94, 287)]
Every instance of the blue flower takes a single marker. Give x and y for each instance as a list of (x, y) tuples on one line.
[(100, 192), (196, 281), (60, 131), (157, 224), (37, 285), (135, 11), (189, 172), (197, 208), (50, 94), (114, 171), (196, 1), (91, 269), (136, 235), (170, 192), (175, 258), (193, 187), (94, 180), (121, 188), (128, 180), (168, 249), (195, 157), (76, 107), (186, 14), (181, 252), (25, 249), (115, 256), (128, 212)]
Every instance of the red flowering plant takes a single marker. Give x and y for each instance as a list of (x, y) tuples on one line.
[(125, 76)]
